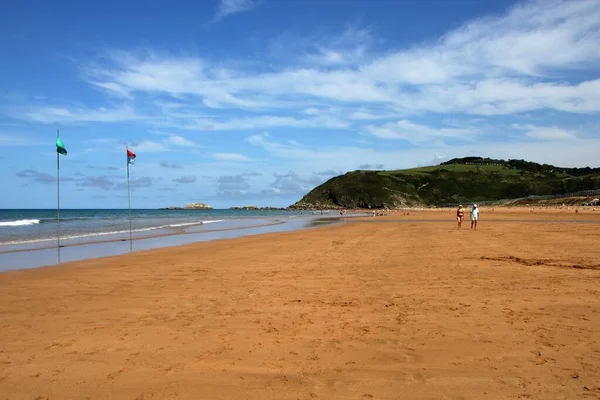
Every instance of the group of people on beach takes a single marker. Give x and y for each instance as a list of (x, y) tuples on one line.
[(460, 215), (371, 213)]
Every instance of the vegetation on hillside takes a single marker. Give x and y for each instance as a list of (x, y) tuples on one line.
[(523, 166), (470, 179)]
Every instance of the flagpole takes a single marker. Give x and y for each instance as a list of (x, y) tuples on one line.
[(58, 200), (129, 204)]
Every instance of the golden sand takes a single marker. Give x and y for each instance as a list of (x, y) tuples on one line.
[(388, 308)]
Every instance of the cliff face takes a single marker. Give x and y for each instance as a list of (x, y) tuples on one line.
[(359, 190), (447, 184)]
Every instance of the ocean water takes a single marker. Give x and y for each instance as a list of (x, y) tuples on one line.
[(28, 238), (37, 229)]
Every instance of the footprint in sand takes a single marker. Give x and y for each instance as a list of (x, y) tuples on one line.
[(113, 375)]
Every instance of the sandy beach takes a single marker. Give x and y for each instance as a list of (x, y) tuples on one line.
[(397, 307)]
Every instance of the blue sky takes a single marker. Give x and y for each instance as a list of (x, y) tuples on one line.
[(237, 102)]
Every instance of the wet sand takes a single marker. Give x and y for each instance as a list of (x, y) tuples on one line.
[(12, 259), (394, 308)]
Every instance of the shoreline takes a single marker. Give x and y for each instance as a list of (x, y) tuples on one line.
[(35, 228), (90, 250), (154, 236)]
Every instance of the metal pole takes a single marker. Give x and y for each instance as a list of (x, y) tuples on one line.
[(58, 199), (129, 204)]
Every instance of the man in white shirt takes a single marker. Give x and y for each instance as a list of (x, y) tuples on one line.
[(474, 216)]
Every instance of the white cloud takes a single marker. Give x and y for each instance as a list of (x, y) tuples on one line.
[(262, 122), (180, 141), (167, 144), (414, 132), (82, 114), (291, 183), (537, 56), (349, 48), (228, 7), (288, 151), (148, 146), (529, 40), (18, 140), (367, 115), (491, 66), (312, 111), (326, 47), (113, 88), (545, 132), (230, 157), (185, 179), (315, 159), (507, 96)]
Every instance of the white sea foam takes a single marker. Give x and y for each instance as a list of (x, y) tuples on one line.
[(187, 224), (94, 234), (20, 222)]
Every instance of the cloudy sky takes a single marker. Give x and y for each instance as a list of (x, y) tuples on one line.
[(237, 102)]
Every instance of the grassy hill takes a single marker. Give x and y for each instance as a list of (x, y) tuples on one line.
[(471, 179)]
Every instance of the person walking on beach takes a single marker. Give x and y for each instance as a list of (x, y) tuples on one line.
[(460, 213), (474, 216)]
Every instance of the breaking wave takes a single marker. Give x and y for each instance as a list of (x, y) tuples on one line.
[(20, 222), (93, 234)]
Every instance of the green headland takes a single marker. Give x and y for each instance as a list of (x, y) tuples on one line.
[(460, 180)]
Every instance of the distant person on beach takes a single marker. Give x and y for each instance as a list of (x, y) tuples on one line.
[(460, 214), (474, 216)]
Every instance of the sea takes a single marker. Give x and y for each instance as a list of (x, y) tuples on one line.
[(30, 238)]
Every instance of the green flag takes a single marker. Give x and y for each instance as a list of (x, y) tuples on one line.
[(60, 147)]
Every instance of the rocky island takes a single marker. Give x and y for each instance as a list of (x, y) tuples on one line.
[(244, 208), (191, 206), (253, 207)]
